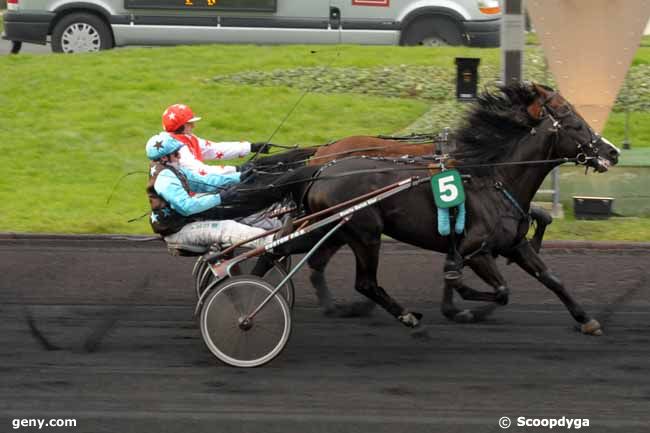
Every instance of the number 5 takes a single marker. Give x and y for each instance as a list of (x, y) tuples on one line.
[(448, 190)]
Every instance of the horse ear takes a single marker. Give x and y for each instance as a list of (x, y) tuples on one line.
[(543, 92), (535, 109)]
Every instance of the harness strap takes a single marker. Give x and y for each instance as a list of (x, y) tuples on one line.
[(499, 186)]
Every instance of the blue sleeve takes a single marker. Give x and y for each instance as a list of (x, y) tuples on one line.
[(169, 187), (210, 182)]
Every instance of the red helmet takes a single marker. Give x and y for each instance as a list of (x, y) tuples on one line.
[(176, 116)]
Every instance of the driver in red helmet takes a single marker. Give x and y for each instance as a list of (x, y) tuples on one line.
[(178, 120)]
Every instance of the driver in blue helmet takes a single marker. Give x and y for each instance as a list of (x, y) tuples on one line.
[(181, 200)]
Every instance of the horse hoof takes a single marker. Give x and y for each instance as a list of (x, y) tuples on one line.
[(502, 295), (592, 327), (412, 320), (465, 316)]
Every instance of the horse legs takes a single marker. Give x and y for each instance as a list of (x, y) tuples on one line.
[(485, 267), (318, 262), (542, 219), (529, 261), (367, 258)]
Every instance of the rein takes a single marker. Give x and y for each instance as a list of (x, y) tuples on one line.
[(348, 152), (420, 167), (295, 105)]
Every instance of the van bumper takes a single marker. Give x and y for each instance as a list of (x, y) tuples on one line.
[(27, 27), (483, 33)]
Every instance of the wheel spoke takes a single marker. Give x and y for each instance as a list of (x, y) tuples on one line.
[(80, 37), (244, 346)]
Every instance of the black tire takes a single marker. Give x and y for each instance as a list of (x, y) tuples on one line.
[(81, 33), (432, 31)]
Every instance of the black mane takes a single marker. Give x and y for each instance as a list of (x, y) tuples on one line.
[(493, 125)]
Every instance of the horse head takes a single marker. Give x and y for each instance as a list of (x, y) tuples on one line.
[(575, 138)]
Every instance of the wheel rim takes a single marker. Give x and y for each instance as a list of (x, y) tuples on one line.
[(433, 41), (80, 38), (222, 314)]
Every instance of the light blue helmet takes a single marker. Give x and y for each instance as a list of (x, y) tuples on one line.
[(162, 144)]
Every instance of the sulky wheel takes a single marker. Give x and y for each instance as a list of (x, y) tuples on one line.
[(199, 273), (203, 275), (235, 340)]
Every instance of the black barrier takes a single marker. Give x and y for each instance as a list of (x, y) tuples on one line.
[(466, 78), (591, 208)]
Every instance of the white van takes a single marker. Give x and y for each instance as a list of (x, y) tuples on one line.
[(90, 25)]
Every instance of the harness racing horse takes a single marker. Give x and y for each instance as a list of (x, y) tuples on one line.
[(508, 144), (411, 146)]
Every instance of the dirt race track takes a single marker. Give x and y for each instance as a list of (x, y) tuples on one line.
[(152, 372)]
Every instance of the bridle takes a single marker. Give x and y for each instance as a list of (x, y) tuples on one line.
[(587, 151)]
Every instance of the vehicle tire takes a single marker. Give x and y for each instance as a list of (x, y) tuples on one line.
[(239, 343), (432, 31), (81, 33)]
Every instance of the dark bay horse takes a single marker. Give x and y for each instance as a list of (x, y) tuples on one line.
[(508, 144)]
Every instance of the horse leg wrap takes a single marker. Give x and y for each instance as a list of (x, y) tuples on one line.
[(453, 278), (453, 270)]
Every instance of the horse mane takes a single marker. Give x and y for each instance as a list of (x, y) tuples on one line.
[(494, 124)]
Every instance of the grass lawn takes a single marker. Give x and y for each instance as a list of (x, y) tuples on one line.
[(76, 124), (613, 229)]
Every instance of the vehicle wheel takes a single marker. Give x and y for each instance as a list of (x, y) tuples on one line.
[(203, 275), (432, 31), (229, 337), (198, 271), (81, 33)]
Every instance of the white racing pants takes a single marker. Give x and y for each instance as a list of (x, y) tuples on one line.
[(226, 232)]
